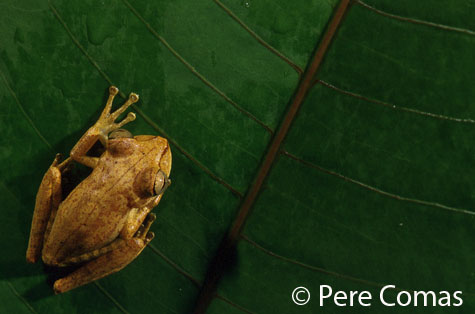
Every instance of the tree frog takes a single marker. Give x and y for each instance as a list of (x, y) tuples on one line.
[(103, 224)]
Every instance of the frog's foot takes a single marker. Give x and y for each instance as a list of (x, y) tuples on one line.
[(101, 129), (136, 220), (143, 232), (106, 122), (110, 262)]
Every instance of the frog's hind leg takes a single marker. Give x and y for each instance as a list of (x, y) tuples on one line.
[(136, 217), (47, 202), (110, 262), (117, 243)]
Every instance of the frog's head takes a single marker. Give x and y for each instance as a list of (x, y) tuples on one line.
[(155, 159), (158, 151)]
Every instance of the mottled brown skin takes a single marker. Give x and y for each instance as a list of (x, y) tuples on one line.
[(104, 221)]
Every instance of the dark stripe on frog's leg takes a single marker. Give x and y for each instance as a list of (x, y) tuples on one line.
[(110, 262), (143, 226), (117, 243)]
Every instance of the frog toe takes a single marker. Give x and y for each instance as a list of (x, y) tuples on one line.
[(113, 90), (130, 117), (133, 98), (143, 232)]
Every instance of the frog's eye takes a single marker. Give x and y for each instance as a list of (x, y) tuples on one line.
[(161, 182), (120, 133)]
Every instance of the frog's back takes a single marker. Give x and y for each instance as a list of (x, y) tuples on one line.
[(94, 212)]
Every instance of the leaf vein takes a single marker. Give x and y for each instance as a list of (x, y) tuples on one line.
[(237, 306), (414, 21), (395, 107), (104, 291), (203, 251), (194, 71), (310, 267), (258, 38), (140, 112), (109, 296), (187, 154), (323, 270), (227, 247), (25, 115), (25, 301), (377, 190), (174, 265)]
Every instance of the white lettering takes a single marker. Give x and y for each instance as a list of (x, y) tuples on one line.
[(458, 298), (381, 295), (425, 294), (403, 298), (323, 296), (340, 295), (365, 295), (399, 298)]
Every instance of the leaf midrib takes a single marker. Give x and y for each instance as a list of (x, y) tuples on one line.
[(228, 245)]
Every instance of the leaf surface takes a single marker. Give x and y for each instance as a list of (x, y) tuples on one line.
[(372, 184)]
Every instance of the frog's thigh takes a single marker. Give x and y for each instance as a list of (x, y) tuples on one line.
[(47, 202), (134, 220), (108, 263)]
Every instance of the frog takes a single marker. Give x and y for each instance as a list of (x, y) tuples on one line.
[(104, 223)]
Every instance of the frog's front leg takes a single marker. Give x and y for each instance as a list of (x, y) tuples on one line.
[(137, 216), (110, 262), (101, 129), (47, 202)]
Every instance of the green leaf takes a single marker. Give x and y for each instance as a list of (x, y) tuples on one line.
[(371, 185)]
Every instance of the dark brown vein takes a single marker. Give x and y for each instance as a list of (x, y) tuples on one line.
[(140, 112), (395, 107), (174, 265), (323, 270), (194, 71), (311, 267), (76, 42), (224, 254), (379, 191), (25, 115), (188, 155), (202, 250), (117, 304), (300, 94), (415, 21), (233, 304), (259, 39), (15, 292), (110, 297), (12, 195)]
